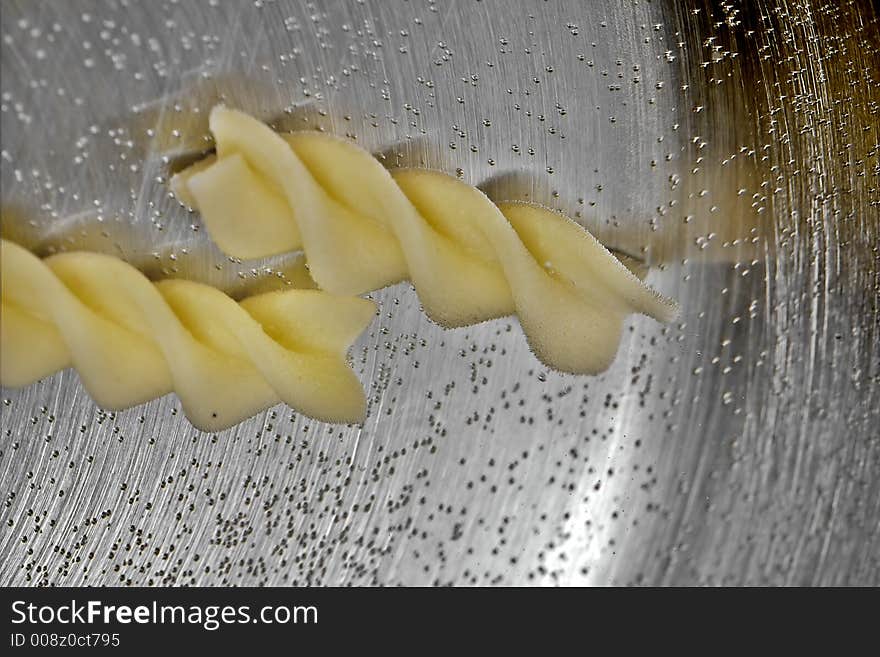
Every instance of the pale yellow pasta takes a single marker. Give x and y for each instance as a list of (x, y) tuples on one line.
[(132, 340), (363, 228)]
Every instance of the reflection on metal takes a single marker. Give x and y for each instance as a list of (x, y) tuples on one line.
[(733, 148)]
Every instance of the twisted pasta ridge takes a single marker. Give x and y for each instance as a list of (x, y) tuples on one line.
[(132, 340), (363, 228)]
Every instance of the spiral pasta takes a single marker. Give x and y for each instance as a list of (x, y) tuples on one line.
[(363, 228), (132, 340)]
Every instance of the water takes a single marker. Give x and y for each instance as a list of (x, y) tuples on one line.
[(736, 446)]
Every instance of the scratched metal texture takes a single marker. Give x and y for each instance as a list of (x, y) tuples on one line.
[(732, 147)]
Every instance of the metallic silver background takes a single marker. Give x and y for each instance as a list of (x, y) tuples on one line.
[(734, 148)]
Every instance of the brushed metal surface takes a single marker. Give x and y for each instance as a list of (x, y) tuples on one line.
[(732, 147)]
